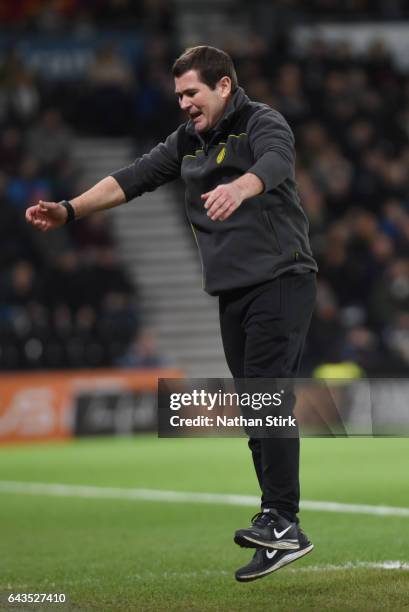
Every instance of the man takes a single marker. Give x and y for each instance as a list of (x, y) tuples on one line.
[(236, 158)]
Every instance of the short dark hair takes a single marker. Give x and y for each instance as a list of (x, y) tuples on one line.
[(210, 63)]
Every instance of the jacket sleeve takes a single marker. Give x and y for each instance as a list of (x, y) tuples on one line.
[(272, 143), (146, 173)]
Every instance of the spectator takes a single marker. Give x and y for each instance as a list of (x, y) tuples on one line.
[(110, 93), (49, 141), (28, 185), (390, 294), (142, 353), (397, 338), (24, 97), (10, 150)]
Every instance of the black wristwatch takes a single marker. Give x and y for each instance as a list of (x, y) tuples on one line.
[(70, 210)]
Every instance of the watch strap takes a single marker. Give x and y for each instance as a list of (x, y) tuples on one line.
[(70, 211)]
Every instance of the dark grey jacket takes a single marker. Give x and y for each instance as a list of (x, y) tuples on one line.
[(268, 234)]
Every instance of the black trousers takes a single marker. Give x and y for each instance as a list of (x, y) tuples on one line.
[(263, 330)]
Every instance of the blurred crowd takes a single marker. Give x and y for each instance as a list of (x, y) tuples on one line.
[(64, 299), (335, 10), (85, 17), (64, 304), (158, 15), (350, 116)]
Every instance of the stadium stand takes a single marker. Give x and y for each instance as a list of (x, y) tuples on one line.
[(350, 115), (67, 303)]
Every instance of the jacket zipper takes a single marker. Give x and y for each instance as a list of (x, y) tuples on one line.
[(206, 145)]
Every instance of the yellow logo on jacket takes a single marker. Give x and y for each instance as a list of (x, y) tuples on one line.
[(221, 156)]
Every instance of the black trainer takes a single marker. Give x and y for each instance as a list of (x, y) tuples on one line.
[(266, 561), (269, 529)]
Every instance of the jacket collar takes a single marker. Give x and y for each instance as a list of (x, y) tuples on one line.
[(236, 102)]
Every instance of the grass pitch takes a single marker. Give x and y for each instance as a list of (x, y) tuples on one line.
[(119, 554)]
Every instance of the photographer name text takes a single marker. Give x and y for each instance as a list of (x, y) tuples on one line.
[(237, 421)]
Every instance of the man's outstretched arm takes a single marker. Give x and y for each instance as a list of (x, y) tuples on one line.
[(106, 194), (159, 166)]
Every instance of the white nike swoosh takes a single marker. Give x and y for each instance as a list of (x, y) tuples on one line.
[(270, 553), (279, 534)]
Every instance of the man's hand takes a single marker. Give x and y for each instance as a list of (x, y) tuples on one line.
[(222, 201), (46, 215)]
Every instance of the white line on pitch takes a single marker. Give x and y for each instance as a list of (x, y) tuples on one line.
[(381, 565), (68, 490), (375, 565)]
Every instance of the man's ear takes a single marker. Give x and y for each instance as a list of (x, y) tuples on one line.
[(224, 86)]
